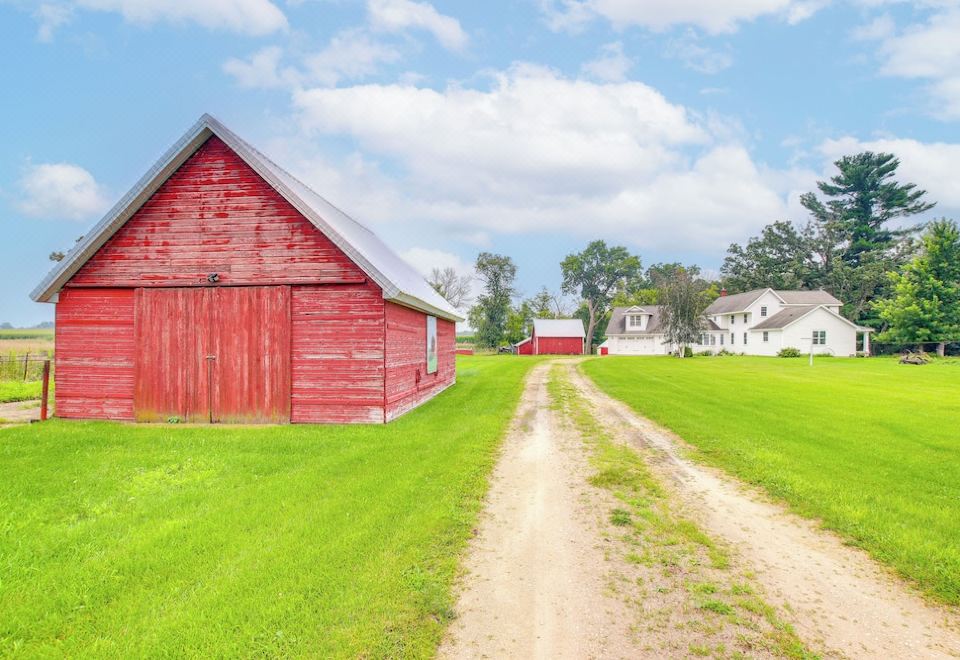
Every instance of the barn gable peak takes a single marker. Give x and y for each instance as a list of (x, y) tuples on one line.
[(399, 281)]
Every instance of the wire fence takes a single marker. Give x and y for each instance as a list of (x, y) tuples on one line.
[(23, 366)]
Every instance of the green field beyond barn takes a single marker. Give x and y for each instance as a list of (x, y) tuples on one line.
[(870, 447), (342, 541)]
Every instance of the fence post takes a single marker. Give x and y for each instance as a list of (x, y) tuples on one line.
[(45, 393), (26, 363)]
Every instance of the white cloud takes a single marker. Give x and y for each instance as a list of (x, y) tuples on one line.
[(400, 15), (930, 165), (50, 17), (880, 27), (540, 152), (611, 65), (688, 49), (260, 70), (253, 17), (61, 191), (927, 51), (713, 17), (352, 54)]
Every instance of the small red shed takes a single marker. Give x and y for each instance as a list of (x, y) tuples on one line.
[(223, 289), (554, 337)]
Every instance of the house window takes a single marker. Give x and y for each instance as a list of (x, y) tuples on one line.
[(744, 318), (733, 339), (713, 340), (819, 337), (721, 340), (763, 311), (766, 335), (733, 319), (635, 320), (744, 338)]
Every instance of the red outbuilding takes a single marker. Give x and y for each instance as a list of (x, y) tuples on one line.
[(553, 337), (223, 289)]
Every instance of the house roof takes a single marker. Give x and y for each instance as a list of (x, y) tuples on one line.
[(740, 301), (790, 315), (558, 328), (618, 323), (399, 281)]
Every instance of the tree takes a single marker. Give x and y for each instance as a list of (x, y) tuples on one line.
[(925, 303), (454, 288), (595, 274), (781, 257), (862, 199), (519, 322), (681, 314), (489, 315)]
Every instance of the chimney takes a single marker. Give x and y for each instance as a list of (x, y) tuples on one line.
[(723, 292)]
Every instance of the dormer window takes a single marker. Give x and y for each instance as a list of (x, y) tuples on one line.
[(637, 321)]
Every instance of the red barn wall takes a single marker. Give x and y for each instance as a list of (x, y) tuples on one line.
[(526, 348), (216, 215), (559, 345), (407, 382), (337, 353), (95, 349)]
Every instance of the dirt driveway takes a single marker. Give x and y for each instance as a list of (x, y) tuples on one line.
[(544, 578)]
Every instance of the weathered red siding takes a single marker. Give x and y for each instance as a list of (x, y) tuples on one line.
[(338, 348), (526, 348), (216, 215), (95, 354), (558, 345), (407, 382), (213, 354)]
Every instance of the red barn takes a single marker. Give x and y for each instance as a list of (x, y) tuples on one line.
[(222, 289), (553, 337)]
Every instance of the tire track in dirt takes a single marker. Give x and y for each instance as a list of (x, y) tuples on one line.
[(839, 597), (536, 583)]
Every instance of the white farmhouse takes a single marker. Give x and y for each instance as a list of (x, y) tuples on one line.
[(758, 322)]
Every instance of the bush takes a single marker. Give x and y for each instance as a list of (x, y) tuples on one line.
[(790, 351), (687, 352), (723, 351), (706, 353)]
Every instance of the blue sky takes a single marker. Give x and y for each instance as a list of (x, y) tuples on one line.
[(528, 128)]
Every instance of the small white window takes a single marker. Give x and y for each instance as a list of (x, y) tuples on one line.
[(763, 311), (819, 337), (744, 338), (744, 318), (733, 319), (733, 339), (721, 340), (766, 335)]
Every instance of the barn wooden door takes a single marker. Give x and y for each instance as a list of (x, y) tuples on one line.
[(213, 354)]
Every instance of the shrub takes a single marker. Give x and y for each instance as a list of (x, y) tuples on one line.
[(706, 353), (723, 351), (687, 352), (789, 351)]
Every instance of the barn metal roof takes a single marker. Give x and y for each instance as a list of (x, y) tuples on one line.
[(400, 282), (558, 328)]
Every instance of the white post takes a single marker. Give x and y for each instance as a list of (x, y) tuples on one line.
[(866, 344)]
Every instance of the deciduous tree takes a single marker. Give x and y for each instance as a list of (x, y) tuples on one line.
[(925, 302), (489, 315), (681, 314), (454, 287), (595, 274)]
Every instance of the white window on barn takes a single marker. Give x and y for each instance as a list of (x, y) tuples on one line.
[(819, 337), (763, 311)]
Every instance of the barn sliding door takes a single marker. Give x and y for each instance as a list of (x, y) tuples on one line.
[(213, 354)]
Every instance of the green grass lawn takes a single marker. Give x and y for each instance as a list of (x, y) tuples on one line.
[(870, 447), (342, 541), (15, 390)]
